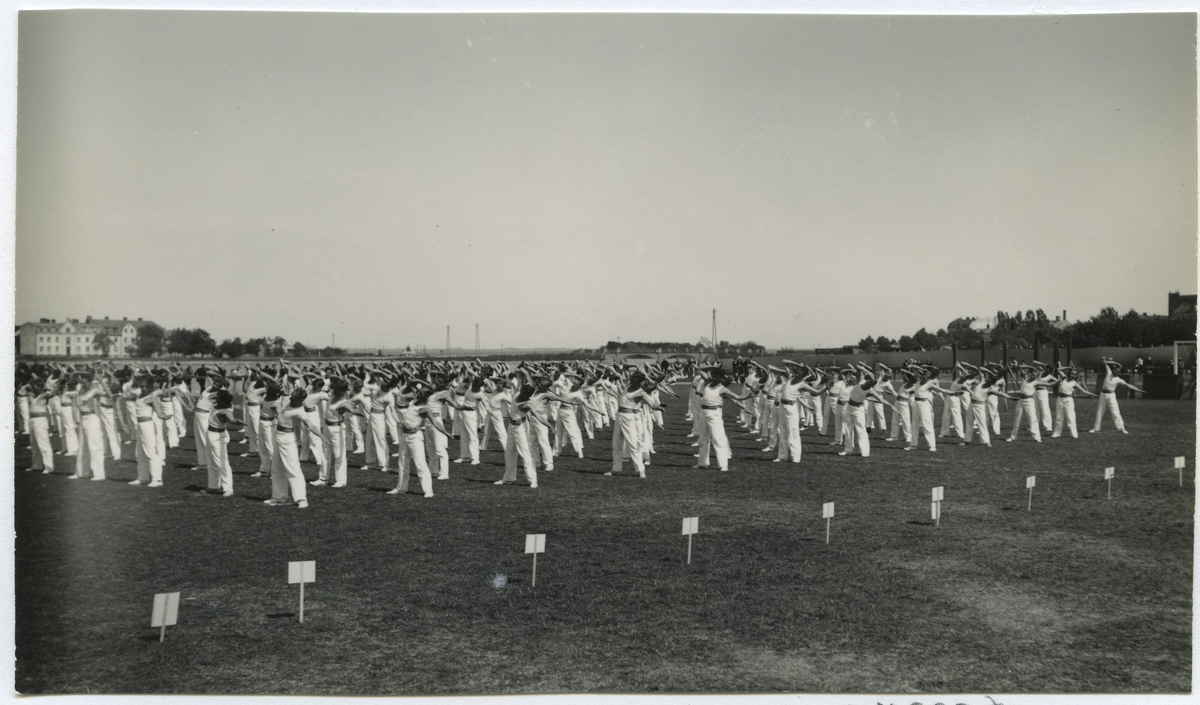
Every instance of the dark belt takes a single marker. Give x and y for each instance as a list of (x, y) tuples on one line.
[(86, 413), (38, 415), (841, 403), (788, 403), (509, 420), (310, 410), (855, 403), (143, 419), (215, 430), (106, 406), (632, 411), (264, 417), (333, 423), (284, 428), (378, 411), (253, 403), (410, 431), (1112, 392), (710, 408)]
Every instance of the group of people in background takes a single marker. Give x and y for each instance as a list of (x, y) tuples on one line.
[(851, 401), (326, 412), (412, 411)]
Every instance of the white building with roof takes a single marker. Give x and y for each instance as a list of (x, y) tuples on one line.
[(75, 338)]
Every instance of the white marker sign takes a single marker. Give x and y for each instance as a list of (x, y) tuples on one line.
[(936, 506), (1108, 476), (535, 544), (937, 493), (1180, 463), (1029, 483), (827, 514), (302, 572), (691, 525), (935, 511), (165, 612)]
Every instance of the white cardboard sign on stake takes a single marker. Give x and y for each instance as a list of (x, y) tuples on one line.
[(1180, 463), (165, 612), (1029, 483), (691, 525), (535, 544), (827, 514), (302, 572), (935, 511), (937, 493), (1108, 477)]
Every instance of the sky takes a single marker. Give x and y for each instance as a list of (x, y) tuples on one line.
[(566, 180)]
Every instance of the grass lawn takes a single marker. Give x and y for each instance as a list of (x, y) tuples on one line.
[(1081, 594)]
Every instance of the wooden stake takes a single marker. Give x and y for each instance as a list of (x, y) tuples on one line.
[(533, 583), (302, 603)]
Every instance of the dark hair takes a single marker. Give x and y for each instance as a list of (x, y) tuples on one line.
[(297, 398), (224, 400), (273, 391)]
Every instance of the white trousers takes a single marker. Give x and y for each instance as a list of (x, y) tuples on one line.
[(220, 474), (714, 439), (266, 445), (855, 428), (952, 415), (922, 410), (1026, 407), (494, 424), (568, 428), (108, 422), (414, 449), (285, 469), (70, 434), (335, 454), (627, 441), (377, 449), (902, 421), (437, 451), (517, 445), (149, 454), (1108, 400), (1065, 412), (468, 437), (90, 462), (200, 433), (789, 432), (978, 421), (1043, 402), (253, 412), (43, 452)]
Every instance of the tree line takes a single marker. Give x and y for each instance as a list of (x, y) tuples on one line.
[(1021, 330), (153, 341)]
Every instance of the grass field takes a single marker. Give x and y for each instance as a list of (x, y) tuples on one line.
[(1081, 594)]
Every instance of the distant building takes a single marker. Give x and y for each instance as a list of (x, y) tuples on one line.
[(1180, 305), (75, 338)]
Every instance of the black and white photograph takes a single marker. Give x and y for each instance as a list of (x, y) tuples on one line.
[(461, 353)]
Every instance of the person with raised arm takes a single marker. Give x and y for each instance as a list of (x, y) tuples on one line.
[(220, 473), (1108, 396), (516, 412), (412, 419), (1026, 398), (712, 398), (1064, 406), (286, 475), (922, 402)]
